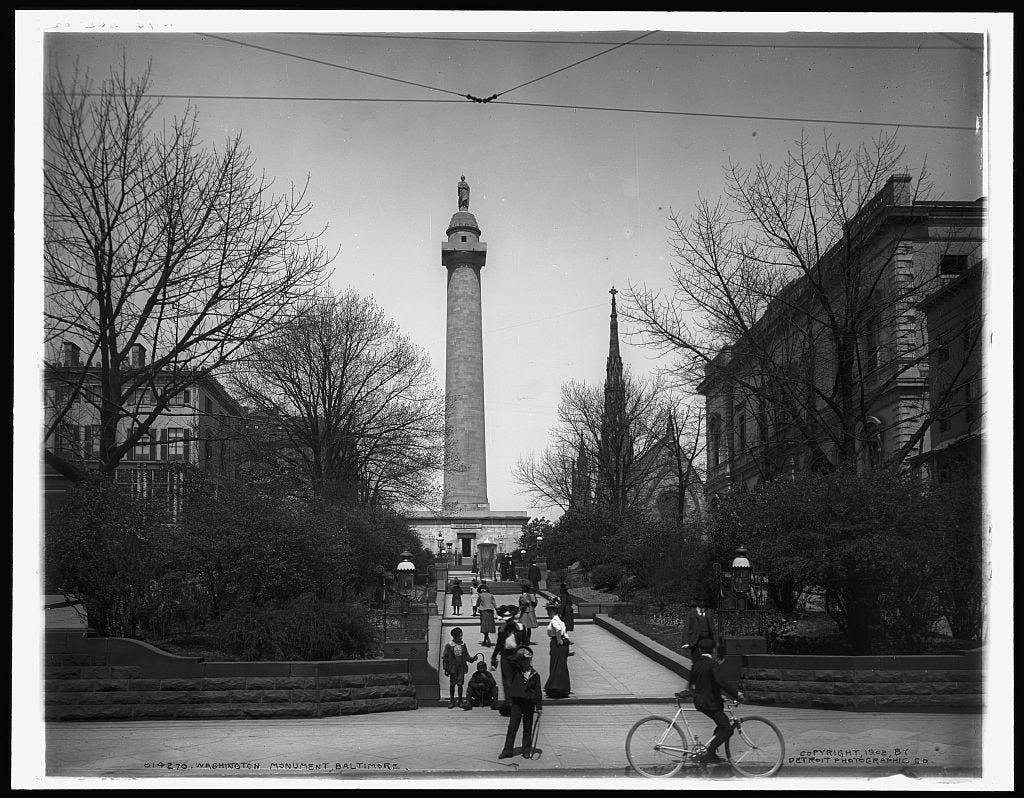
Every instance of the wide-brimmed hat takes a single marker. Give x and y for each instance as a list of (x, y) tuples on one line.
[(507, 611), (553, 605), (483, 586)]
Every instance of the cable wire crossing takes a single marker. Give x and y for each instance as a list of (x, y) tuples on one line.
[(575, 63), (330, 64)]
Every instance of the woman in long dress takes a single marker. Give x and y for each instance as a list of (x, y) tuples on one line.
[(565, 610), (557, 685), (486, 607), (527, 611)]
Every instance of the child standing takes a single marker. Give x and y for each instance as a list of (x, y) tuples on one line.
[(455, 661), (525, 696), (456, 597)]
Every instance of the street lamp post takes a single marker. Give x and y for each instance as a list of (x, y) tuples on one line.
[(383, 603), (741, 577), (406, 575), (440, 544)]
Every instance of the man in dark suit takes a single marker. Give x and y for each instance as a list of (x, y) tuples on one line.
[(700, 625), (534, 576), (708, 686)]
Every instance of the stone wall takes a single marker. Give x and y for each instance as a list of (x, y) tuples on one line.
[(945, 683), (115, 678)]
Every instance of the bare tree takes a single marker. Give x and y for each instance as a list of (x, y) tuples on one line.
[(163, 259), (348, 405), (797, 290), (619, 466)]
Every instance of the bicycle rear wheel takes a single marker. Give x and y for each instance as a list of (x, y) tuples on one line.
[(756, 748), (644, 747)]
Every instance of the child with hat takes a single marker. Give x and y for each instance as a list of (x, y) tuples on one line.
[(455, 661), (482, 690)]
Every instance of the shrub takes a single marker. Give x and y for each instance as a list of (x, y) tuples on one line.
[(605, 577), (304, 628), (110, 550)]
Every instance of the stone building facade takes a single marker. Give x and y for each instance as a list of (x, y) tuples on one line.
[(755, 431)]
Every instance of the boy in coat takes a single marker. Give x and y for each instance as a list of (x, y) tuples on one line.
[(455, 661)]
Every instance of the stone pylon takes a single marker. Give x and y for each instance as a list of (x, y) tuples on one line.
[(463, 255)]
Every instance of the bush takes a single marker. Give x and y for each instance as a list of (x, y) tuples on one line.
[(305, 628), (606, 577), (110, 550)]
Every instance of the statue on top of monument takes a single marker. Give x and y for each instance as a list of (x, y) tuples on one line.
[(463, 194)]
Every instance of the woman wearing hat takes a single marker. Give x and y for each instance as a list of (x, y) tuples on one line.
[(511, 638), (527, 611), (486, 607), (557, 685)]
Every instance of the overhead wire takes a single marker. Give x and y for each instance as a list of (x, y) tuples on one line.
[(330, 64), (752, 45), (495, 97), (553, 105), (576, 63)]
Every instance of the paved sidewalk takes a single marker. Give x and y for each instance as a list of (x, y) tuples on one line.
[(574, 741)]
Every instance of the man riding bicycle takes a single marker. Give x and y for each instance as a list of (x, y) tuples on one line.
[(708, 686)]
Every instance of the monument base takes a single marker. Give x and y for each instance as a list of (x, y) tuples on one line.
[(465, 529)]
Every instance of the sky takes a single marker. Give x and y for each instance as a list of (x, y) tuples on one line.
[(571, 201)]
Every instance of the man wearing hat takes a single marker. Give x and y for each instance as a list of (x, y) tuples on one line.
[(700, 625), (708, 686), (525, 698)]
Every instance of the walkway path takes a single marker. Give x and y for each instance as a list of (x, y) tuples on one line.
[(603, 669)]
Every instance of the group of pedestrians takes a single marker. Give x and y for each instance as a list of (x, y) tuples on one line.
[(512, 658)]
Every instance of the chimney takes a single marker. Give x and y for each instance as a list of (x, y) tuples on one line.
[(72, 354), (138, 356)]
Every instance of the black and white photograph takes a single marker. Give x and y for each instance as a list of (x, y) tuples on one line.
[(512, 399)]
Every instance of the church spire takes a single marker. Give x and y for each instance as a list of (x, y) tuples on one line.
[(613, 375)]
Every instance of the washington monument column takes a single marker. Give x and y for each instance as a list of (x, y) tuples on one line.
[(463, 256)]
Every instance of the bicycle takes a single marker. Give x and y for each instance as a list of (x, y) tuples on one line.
[(756, 748)]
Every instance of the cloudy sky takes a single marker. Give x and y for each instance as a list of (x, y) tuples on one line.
[(574, 168)]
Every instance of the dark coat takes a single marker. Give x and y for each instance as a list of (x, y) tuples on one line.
[(698, 627), (534, 573), (527, 689), (709, 684)]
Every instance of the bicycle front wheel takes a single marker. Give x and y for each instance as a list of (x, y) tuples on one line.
[(655, 747), (756, 748)]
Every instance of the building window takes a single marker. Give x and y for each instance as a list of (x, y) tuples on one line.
[(68, 438), (714, 440), (180, 399), (970, 334), (91, 440), (209, 405), (741, 433), (175, 443), (972, 409), (952, 264), (944, 416), (941, 349), (143, 448)]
